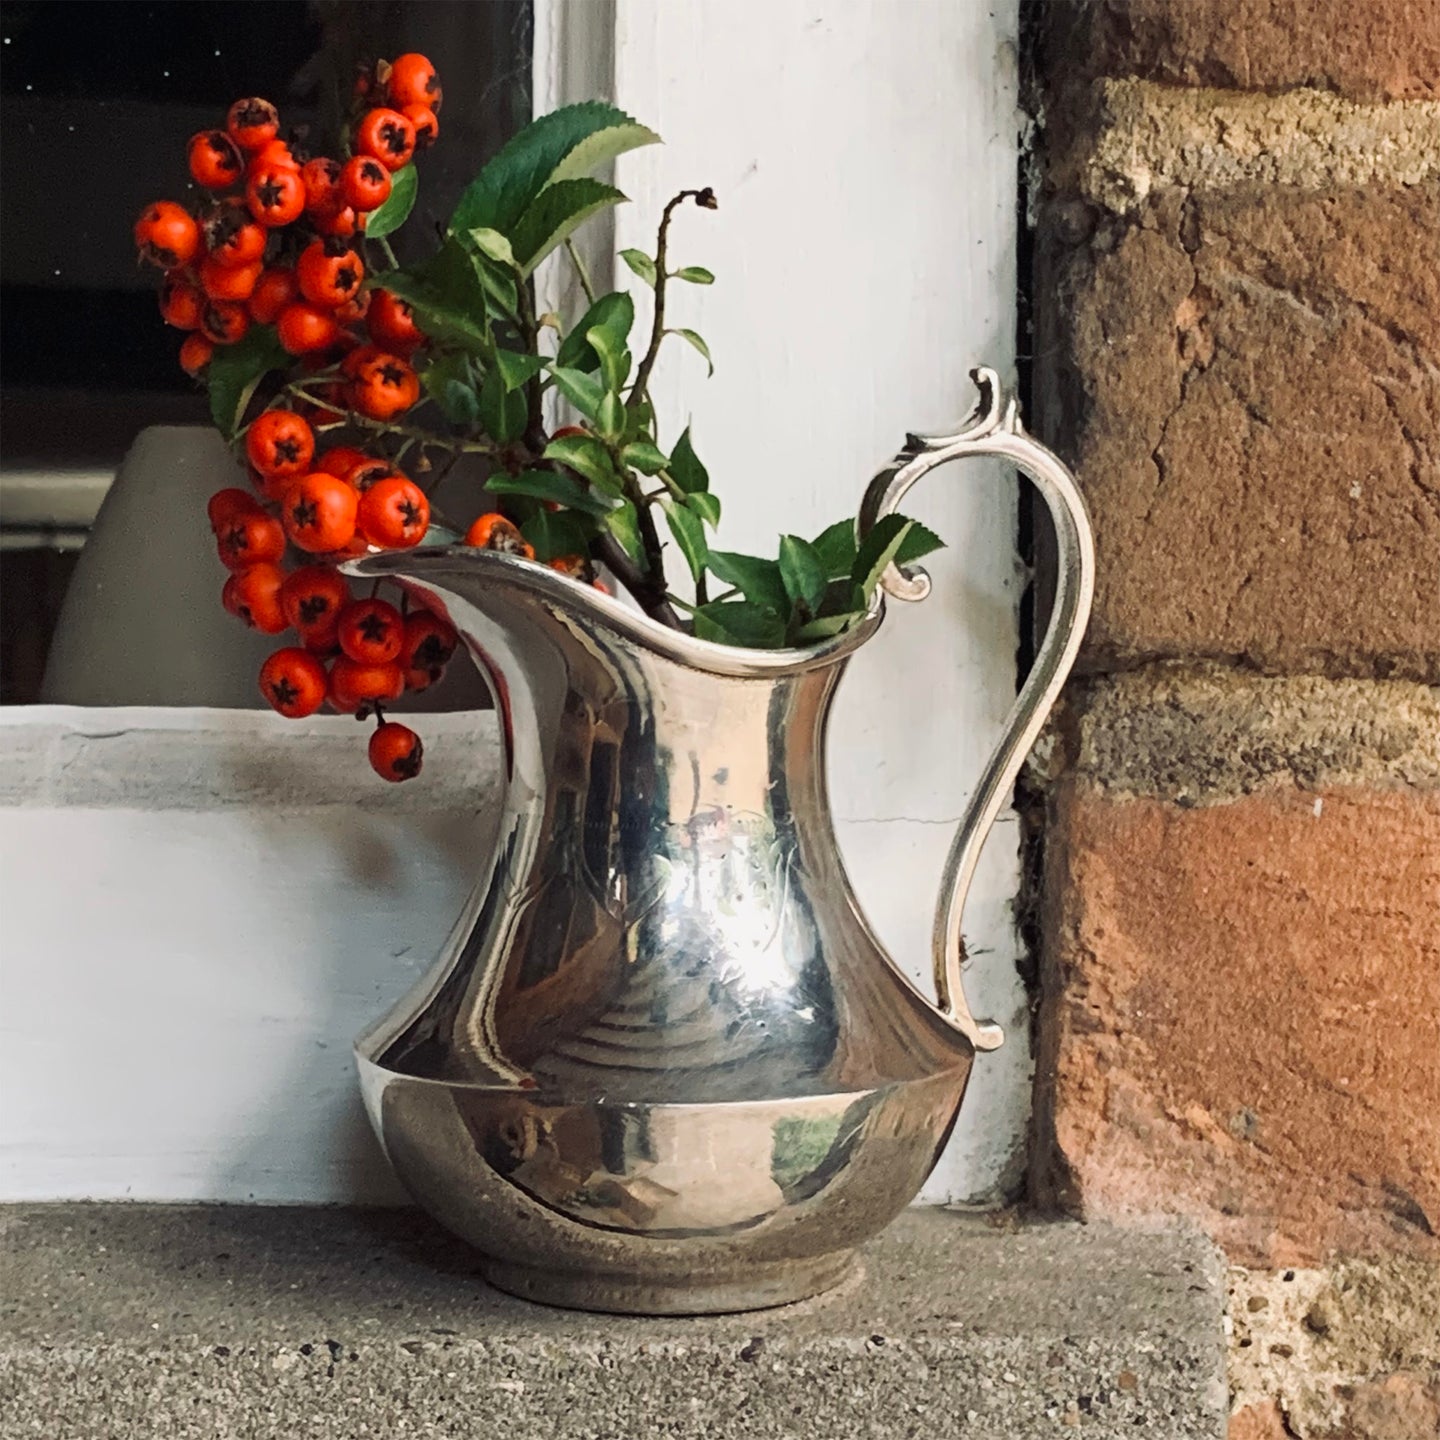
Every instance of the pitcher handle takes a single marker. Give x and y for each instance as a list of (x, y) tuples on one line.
[(993, 430)]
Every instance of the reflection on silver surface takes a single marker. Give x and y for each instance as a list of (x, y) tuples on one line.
[(662, 1065)]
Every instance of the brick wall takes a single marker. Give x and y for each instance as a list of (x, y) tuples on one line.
[(1238, 346)]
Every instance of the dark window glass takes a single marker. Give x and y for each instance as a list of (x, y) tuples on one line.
[(97, 102)]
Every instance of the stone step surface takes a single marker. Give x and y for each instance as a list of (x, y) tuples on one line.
[(128, 1321)]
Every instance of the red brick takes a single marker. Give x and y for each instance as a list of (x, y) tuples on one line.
[(1241, 1022), (1254, 410), (1367, 49)]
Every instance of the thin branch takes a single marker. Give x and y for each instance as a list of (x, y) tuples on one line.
[(706, 200), (582, 274)]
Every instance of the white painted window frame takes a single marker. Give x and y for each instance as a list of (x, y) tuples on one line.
[(864, 152)]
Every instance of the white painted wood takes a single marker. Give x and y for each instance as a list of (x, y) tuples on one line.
[(864, 153), (196, 919)]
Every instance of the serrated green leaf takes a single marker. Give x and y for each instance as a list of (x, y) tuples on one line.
[(826, 627), (516, 368), (450, 382), (920, 542), (588, 457), (551, 485), (836, 548), (756, 579), (624, 525), (583, 391), (695, 274), (698, 343), (386, 219), (685, 467), (492, 244), (689, 535), (614, 313), (614, 357), (235, 371), (554, 214), (601, 148), (448, 296), (504, 189), (502, 412), (706, 506), (556, 533), (740, 622), (802, 572), (644, 456), (641, 264), (879, 548)]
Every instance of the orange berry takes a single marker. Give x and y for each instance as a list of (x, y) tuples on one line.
[(413, 81), (396, 752), (495, 532), (167, 235), (225, 321), (294, 682), (388, 136), (394, 513), (304, 329), (319, 513), (280, 443), (228, 282), (195, 354), (275, 289), (383, 386), (427, 127), (253, 595), (275, 195), (252, 123), (214, 160), (181, 304)]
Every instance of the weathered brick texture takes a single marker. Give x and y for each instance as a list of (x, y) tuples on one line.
[(1243, 1018), (1369, 49), (1254, 394)]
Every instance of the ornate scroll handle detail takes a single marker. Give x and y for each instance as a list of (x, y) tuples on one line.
[(993, 430)]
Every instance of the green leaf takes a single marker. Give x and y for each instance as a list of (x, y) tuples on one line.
[(695, 274), (602, 147), (611, 416), (920, 542), (235, 371), (740, 622), (554, 214), (502, 294), (550, 485), (642, 265), (581, 390), (562, 145), (449, 381), (644, 456), (493, 244), (588, 457), (614, 357), (698, 343), (756, 579), (706, 506), (802, 572), (826, 627), (624, 525), (556, 533), (387, 218), (614, 313), (448, 296), (836, 549), (880, 547), (689, 535), (503, 412), (516, 368), (685, 467)]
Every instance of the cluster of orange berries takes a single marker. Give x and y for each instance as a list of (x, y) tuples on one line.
[(273, 246)]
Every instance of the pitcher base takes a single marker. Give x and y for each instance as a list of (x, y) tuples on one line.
[(760, 1288)]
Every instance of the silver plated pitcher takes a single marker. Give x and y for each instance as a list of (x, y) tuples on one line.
[(663, 1064)]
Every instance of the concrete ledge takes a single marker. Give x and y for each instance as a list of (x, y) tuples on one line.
[(139, 1321)]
